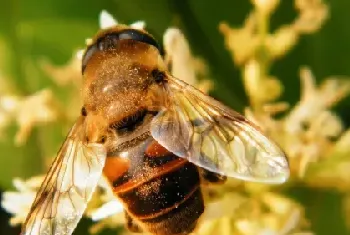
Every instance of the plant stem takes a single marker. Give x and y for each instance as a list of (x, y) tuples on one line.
[(262, 59)]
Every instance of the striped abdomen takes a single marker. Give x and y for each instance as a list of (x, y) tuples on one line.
[(160, 190)]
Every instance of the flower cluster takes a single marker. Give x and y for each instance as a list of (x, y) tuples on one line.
[(20, 109)]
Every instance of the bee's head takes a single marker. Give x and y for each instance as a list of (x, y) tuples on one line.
[(119, 40), (118, 70)]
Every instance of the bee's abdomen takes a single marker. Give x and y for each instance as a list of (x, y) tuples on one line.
[(163, 194), (181, 219)]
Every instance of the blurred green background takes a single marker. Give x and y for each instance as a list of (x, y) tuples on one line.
[(33, 29)]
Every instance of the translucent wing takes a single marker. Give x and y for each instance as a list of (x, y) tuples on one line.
[(67, 188), (204, 131)]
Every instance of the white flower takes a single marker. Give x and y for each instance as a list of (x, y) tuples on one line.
[(27, 111), (36, 109), (106, 210), (266, 6), (19, 203), (138, 25), (106, 20), (183, 64), (110, 205)]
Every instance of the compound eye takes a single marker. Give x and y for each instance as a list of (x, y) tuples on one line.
[(108, 42), (138, 36), (88, 54), (105, 43)]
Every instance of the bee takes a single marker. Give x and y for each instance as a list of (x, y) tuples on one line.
[(156, 140)]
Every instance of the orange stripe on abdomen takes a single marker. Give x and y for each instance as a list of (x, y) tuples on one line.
[(158, 188), (145, 174)]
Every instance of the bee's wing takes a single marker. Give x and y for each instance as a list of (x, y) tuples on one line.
[(67, 188), (207, 133)]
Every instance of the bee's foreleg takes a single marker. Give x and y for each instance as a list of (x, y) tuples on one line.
[(131, 224), (210, 177)]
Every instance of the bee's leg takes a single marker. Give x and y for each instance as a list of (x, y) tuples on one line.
[(210, 177), (131, 225)]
